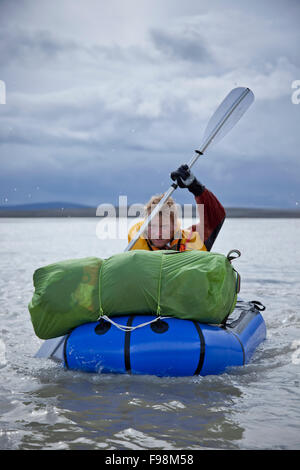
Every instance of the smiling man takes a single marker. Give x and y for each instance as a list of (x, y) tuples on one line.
[(164, 231)]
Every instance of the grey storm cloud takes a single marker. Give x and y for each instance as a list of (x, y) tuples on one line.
[(42, 47), (25, 46), (101, 99), (189, 47)]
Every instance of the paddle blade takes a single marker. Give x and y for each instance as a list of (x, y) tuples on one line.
[(227, 115)]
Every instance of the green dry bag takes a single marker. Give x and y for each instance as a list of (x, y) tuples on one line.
[(66, 295), (191, 285)]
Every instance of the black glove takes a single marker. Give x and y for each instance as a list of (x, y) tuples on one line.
[(186, 179)]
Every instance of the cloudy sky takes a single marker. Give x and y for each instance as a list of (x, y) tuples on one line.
[(107, 98)]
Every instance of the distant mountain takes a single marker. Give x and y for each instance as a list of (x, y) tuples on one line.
[(44, 206), (73, 209)]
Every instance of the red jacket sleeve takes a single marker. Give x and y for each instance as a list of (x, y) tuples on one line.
[(214, 216)]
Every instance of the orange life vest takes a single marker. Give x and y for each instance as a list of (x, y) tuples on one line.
[(185, 240)]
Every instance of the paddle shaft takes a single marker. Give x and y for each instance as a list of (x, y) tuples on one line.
[(174, 186)]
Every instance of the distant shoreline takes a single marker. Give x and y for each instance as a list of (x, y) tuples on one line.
[(232, 212)]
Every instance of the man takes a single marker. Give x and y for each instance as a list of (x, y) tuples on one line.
[(164, 231)]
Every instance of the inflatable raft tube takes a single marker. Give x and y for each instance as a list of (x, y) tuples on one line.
[(167, 347)]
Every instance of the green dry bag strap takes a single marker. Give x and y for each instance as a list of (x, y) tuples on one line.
[(231, 257), (101, 311), (159, 286)]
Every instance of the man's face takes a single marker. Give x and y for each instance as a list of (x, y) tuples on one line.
[(161, 230)]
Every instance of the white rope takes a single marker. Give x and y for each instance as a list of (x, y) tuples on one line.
[(129, 328)]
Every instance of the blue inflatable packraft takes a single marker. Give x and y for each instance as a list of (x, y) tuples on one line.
[(166, 347)]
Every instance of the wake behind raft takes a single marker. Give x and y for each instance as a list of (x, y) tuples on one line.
[(162, 342)]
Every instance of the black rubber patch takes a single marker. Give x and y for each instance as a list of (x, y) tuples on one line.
[(102, 327), (159, 326)]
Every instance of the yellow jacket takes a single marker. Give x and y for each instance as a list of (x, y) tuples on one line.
[(185, 240)]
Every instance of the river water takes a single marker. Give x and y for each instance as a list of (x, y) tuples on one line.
[(43, 406)]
